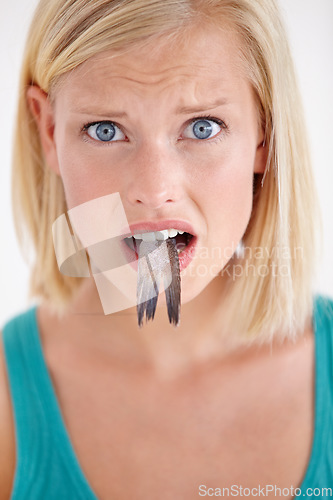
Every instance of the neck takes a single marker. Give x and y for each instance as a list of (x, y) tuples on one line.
[(159, 346)]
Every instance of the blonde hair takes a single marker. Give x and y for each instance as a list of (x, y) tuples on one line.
[(65, 33)]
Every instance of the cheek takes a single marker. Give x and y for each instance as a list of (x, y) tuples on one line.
[(227, 192), (236, 194), (83, 175), (227, 213)]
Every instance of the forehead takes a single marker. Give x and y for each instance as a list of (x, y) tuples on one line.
[(199, 60)]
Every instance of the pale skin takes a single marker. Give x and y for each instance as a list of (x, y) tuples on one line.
[(168, 410)]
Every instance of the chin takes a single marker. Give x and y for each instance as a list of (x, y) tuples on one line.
[(192, 289)]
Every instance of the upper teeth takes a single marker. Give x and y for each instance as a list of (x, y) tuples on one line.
[(158, 235)]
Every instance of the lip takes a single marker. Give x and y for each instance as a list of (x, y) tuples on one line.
[(147, 226), (185, 256)]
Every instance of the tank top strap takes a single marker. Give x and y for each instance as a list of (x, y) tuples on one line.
[(319, 473), (46, 464)]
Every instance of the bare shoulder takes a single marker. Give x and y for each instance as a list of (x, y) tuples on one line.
[(7, 436)]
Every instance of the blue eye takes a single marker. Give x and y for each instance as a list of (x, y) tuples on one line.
[(105, 132), (203, 129)]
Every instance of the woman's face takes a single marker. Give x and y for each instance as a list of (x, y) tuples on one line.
[(174, 129)]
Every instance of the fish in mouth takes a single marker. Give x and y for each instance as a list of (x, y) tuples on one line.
[(158, 263)]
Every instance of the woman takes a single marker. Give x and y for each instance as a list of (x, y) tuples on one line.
[(188, 111)]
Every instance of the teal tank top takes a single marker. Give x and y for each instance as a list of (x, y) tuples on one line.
[(46, 465)]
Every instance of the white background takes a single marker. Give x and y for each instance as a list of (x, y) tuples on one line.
[(310, 26)]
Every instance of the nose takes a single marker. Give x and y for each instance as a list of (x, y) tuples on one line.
[(155, 177)]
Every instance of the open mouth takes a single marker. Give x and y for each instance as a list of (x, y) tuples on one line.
[(183, 239), (185, 244)]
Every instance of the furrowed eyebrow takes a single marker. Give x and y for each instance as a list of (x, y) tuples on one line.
[(182, 110), (114, 114)]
